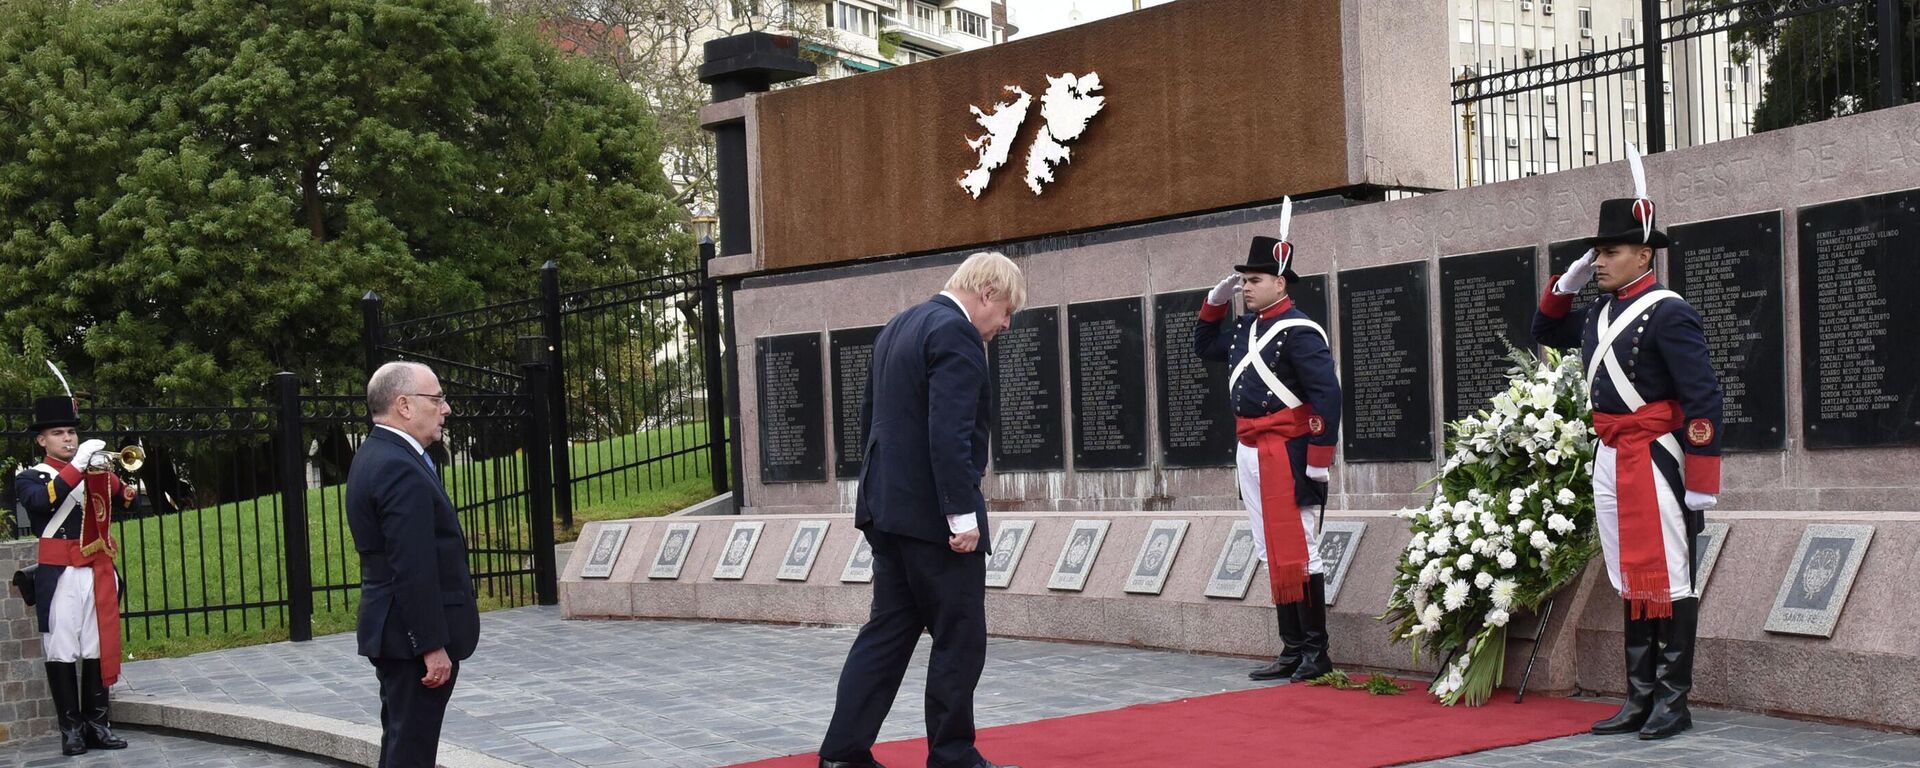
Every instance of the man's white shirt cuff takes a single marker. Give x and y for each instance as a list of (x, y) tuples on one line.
[(962, 523)]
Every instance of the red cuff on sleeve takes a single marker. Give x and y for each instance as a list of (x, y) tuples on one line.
[(1319, 455), (1211, 313), (1703, 474), (1552, 304), (71, 474)]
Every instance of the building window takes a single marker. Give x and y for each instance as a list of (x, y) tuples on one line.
[(853, 18), (970, 23), (1466, 31), (1506, 35), (1586, 18)]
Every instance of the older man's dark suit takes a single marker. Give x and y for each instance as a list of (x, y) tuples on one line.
[(926, 416), (416, 593)]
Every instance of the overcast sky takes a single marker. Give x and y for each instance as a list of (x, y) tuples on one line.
[(1038, 17)]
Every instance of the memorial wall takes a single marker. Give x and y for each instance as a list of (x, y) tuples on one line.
[(1793, 245)]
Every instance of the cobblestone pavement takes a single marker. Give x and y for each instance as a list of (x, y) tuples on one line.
[(625, 694)]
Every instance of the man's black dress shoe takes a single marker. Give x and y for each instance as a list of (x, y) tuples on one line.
[(825, 763)]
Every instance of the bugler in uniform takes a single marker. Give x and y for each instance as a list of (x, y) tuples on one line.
[(1656, 409), (1286, 405), (75, 590)]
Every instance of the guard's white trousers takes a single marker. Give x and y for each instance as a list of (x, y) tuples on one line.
[(76, 628), (1249, 460), (1673, 524)]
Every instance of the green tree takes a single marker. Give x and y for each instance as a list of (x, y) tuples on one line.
[(1823, 64), (195, 193)]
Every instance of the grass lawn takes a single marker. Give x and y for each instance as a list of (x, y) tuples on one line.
[(231, 555)]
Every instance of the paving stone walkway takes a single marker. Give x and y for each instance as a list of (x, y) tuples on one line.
[(160, 749), (550, 693)]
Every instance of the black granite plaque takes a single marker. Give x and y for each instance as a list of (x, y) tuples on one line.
[(1387, 405), (1310, 296), (1025, 374), (793, 439), (1486, 304), (1196, 416), (1107, 340), (1730, 271), (1559, 256), (1858, 317), (852, 351)]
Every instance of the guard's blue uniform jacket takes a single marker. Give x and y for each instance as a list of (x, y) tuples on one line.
[(1665, 356), (1300, 359)]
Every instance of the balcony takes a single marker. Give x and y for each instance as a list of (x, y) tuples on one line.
[(925, 33)]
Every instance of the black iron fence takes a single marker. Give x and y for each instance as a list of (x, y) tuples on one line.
[(1691, 73), (242, 528), (634, 390)]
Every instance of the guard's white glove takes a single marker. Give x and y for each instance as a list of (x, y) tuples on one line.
[(87, 450), (1578, 273), (1317, 474), (1701, 502), (1222, 294)]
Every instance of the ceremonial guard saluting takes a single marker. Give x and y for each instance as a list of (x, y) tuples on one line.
[(69, 498), (1286, 405), (1656, 409)]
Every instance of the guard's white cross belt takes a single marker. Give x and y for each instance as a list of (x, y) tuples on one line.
[(1604, 356), (1257, 357)]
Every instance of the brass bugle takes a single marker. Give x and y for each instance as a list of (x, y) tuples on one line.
[(130, 458)]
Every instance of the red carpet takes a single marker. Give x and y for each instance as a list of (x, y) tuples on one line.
[(1282, 725)]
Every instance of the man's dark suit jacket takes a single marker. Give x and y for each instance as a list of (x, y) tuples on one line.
[(926, 414), (416, 594)]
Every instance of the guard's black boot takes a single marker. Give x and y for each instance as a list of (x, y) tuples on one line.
[(1674, 672), (1641, 650), (1314, 660), (63, 680), (93, 709), (1291, 638)]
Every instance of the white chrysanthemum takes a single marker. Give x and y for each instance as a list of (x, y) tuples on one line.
[(1478, 547), (1419, 542), (1436, 514), (1514, 508), (1507, 559), (1416, 557), (1526, 526), (1441, 541), (1483, 580), (1465, 563), (1456, 595), (1497, 617), (1488, 522), (1430, 618), (1465, 510), (1559, 523), (1429, 574), (1517, 494), (1539, 540), (1463, 532), (1565, 496), (1503, 593)]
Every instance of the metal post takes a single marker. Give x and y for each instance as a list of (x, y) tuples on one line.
[(557, 393), (1891, 92), (371, 333), (298, 561), (716, 393), (538, 444), (1652, 37)]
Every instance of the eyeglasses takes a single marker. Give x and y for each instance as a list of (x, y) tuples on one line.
[(436, 398)]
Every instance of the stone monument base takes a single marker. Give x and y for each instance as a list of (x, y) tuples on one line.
[(1862, 674)]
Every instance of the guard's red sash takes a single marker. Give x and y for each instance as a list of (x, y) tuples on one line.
[(1643, 550), (1279, 511)]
